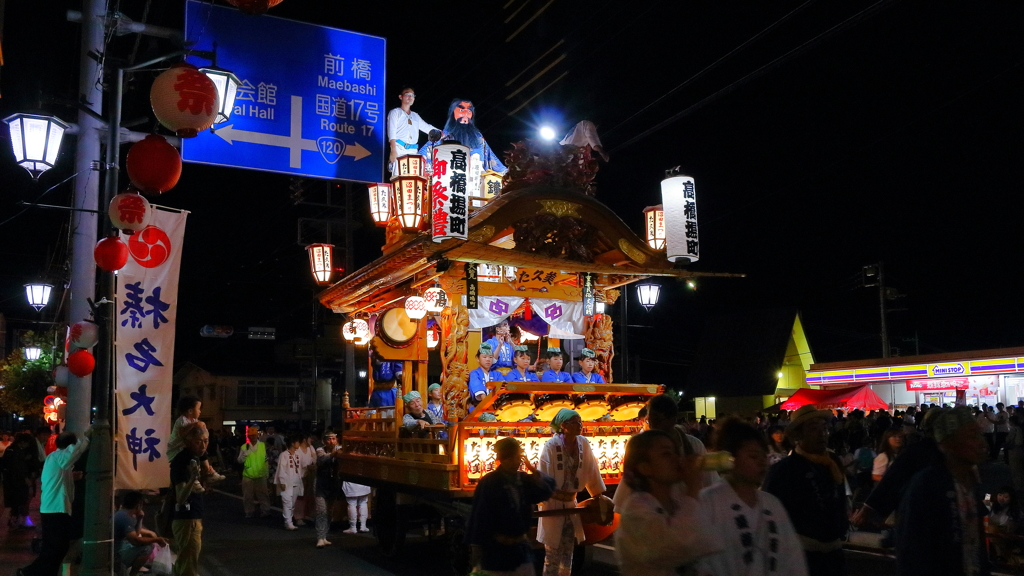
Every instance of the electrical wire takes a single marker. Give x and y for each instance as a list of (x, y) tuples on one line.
[(842, 26)]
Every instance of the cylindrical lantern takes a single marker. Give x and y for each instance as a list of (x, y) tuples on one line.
[(648, 295), (81, 363), (381, 203), (436, 299), (655, 217), (415, 307), (110, 254), (409, 201), (449, 192), (320, 261), (254, 6), (412, 165), (362, 330), (154, 166), (490, 187), (129, 212), (184, 100), (679, 199), (84, 334)]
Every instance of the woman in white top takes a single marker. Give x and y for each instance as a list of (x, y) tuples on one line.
[(888, 448), (568, 459), (288, 479), (660, 523), (753, 526)]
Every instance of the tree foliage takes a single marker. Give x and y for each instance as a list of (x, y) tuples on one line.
[(23, 383)]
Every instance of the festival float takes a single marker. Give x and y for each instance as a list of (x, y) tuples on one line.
[(473, 247)]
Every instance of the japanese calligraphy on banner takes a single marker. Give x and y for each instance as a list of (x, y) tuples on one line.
[(533, 278), (472, 287), (146, 308), (448, 198), (679, 199), (589, 301)]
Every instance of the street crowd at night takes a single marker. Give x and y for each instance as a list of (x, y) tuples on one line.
[(510, 289)]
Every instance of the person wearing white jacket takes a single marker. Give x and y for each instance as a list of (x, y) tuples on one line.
[(288, 479), (568, 458)]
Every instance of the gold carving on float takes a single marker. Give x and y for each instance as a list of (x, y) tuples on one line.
[(583, 388), (629, 250), (652, 389), (454, 339), (560, 208), (598, 337), (482, 235)]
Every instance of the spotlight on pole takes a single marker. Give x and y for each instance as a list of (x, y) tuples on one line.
[(547, 133)]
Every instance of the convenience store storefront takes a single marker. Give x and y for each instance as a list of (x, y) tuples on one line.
[(976, 377)]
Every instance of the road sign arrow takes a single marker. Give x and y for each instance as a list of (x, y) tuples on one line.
[(356, 151), (294, 142)]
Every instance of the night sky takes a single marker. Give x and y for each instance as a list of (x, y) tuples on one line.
[(822, 136)]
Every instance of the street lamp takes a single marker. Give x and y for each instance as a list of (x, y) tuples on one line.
[(38, 295), (36, 140), (547, 133), (648, 295), (33, 353), (320, 261), (227, 86)]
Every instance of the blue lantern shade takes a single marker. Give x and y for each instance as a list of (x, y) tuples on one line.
[(36, 141)]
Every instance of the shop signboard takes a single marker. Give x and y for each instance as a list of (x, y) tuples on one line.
[(939, 384), (951, 369)]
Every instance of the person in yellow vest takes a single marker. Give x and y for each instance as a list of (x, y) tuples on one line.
[(253, 457)]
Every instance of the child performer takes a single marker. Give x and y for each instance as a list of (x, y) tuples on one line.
[(521, 371), (587, 365), (288, 479), (753, 525), (554, 372), (660, 528), (480, 377)]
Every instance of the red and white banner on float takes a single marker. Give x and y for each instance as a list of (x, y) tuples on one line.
[(449, 212), (145, 313)]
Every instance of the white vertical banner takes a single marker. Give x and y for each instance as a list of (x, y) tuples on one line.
[(145, 312), (679, 199), (449, 206)]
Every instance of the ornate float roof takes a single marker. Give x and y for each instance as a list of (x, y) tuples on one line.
[(540, 227)]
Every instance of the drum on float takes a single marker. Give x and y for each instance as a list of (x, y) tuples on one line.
[(592, 406), (549, 404), (626, 407), (512, 407)]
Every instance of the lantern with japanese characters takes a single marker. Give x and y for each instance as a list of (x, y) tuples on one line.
[(348, 331), (84, 334), (449, 201), (679, 199), (154, 166), (362, 330), (409, 192), (254, 6), (436, 299), (111, 254), (129, 212), (81, 363), (490, 187), (184, 100), (415, 307), (433, 336), (655, 219), (411, 165), (381, 203), (320, 262)]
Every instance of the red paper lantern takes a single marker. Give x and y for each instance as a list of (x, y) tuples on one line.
[(81, 363), (110, 254), (154, 166), (184, 100), (84, 334), (254, 6), (129, 212)]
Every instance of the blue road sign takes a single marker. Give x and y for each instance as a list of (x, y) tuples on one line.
[(311, 100)]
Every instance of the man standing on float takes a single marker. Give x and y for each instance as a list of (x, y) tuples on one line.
[(404, 127)]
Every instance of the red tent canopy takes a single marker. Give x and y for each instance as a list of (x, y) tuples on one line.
[(836, 398)]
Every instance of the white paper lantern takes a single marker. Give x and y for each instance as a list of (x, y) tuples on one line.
[(129, 212), (436, 298), (679, 199), (415, 307), (84, 334)]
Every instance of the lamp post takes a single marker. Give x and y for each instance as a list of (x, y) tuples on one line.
[(38, 295), (648, 295), (32, 353)]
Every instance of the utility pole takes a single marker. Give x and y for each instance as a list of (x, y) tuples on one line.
[(350, 348), (877, 273)]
